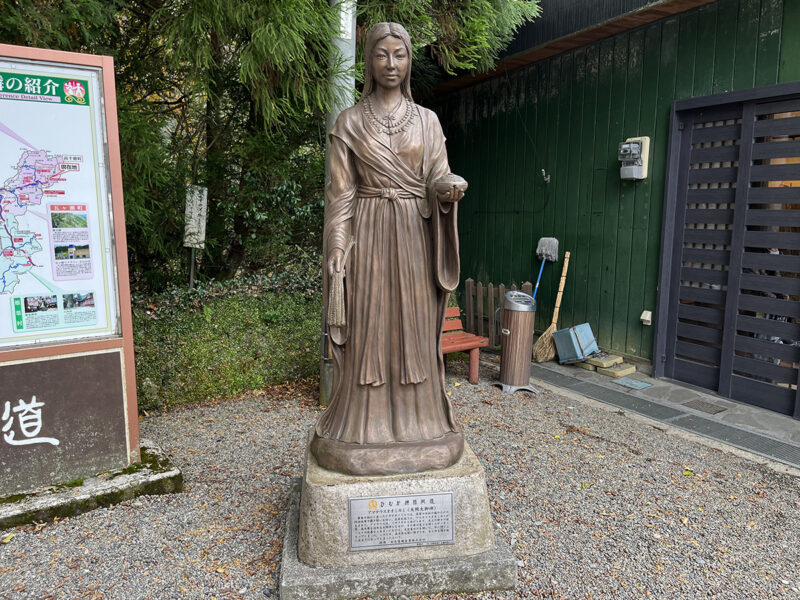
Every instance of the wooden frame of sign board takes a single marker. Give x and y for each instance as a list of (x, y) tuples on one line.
[(82, 364)]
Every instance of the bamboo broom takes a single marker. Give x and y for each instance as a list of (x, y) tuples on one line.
[(545, 347)]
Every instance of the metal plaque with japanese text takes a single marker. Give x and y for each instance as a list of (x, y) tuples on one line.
[(61, 419), (194, 235), (401, 521)]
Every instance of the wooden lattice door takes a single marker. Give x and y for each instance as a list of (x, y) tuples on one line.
[(729, 309)]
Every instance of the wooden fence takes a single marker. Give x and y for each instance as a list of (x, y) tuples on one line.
[(483, 308)]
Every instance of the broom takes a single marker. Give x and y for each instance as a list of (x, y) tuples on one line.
[(545, 348)]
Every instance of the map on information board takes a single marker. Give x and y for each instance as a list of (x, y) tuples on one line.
[(56, 247)]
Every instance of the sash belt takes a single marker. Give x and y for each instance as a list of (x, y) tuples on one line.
[(365, 191)]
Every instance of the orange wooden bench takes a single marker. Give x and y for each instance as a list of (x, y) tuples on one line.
[(455, 339)]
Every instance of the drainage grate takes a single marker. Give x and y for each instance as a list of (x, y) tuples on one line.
[(746, 440), (549, 376), (626, 401), (705, 406)]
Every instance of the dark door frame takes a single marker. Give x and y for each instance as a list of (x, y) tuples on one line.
[(674, 211)]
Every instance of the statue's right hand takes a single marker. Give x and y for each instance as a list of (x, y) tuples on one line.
[(335, 262)]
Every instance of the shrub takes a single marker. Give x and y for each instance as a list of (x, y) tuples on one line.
[(221, 341)]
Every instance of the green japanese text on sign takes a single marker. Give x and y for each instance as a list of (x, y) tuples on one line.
[(36, 88)]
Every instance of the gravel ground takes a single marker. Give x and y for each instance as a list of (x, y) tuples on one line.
[(594, 504)]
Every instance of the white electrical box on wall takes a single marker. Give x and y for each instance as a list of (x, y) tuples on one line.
[(634, 154)]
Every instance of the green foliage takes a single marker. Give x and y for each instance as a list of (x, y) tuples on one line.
[(65, 24), (452, 36), (278, 48), (233, 95), (225, 339)]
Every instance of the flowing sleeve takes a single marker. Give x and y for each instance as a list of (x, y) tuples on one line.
[(340, 193), (444, 214)]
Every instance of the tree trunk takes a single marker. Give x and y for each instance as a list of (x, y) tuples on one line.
[(236, 251), (215, 176)]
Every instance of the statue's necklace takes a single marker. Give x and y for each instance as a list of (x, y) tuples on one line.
[(390, 123)]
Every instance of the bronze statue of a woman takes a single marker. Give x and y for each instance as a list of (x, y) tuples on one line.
[(391, 243)]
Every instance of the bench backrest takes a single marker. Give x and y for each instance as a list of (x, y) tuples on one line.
[(452, 319)]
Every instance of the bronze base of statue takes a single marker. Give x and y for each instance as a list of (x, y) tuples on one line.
[(388, 459)]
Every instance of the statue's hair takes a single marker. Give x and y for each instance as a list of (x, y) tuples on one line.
[(375, 35)]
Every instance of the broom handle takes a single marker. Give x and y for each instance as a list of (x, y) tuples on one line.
[(561, 288)]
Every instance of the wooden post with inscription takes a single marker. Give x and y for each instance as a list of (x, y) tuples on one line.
[(68, 391)]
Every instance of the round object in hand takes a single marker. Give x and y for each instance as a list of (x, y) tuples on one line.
[(450, 181)]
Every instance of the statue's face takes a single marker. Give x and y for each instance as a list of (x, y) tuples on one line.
[(389, 62)]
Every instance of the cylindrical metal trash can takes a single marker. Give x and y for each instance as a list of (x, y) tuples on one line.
[(519, 311)]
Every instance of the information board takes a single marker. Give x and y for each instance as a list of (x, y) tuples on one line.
[(57, 259), (401, 521)]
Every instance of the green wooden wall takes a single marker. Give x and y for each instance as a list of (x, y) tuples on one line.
[(567, 115)]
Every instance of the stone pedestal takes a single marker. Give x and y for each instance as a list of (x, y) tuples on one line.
[(324, 523), (318, 562)]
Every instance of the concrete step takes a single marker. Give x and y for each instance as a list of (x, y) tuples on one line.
[(605, 360), (618, 370)]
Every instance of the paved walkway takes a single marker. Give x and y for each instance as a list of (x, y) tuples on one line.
[(750, 428)]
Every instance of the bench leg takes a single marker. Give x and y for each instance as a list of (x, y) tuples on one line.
[(474, 356)]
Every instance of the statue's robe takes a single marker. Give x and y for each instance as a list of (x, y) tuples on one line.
[(388, 411)]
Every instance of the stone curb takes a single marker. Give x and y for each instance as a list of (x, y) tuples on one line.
[(495, 569), (154, 475)]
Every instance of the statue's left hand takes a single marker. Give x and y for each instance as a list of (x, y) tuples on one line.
[(336, 261), (454, 194)]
